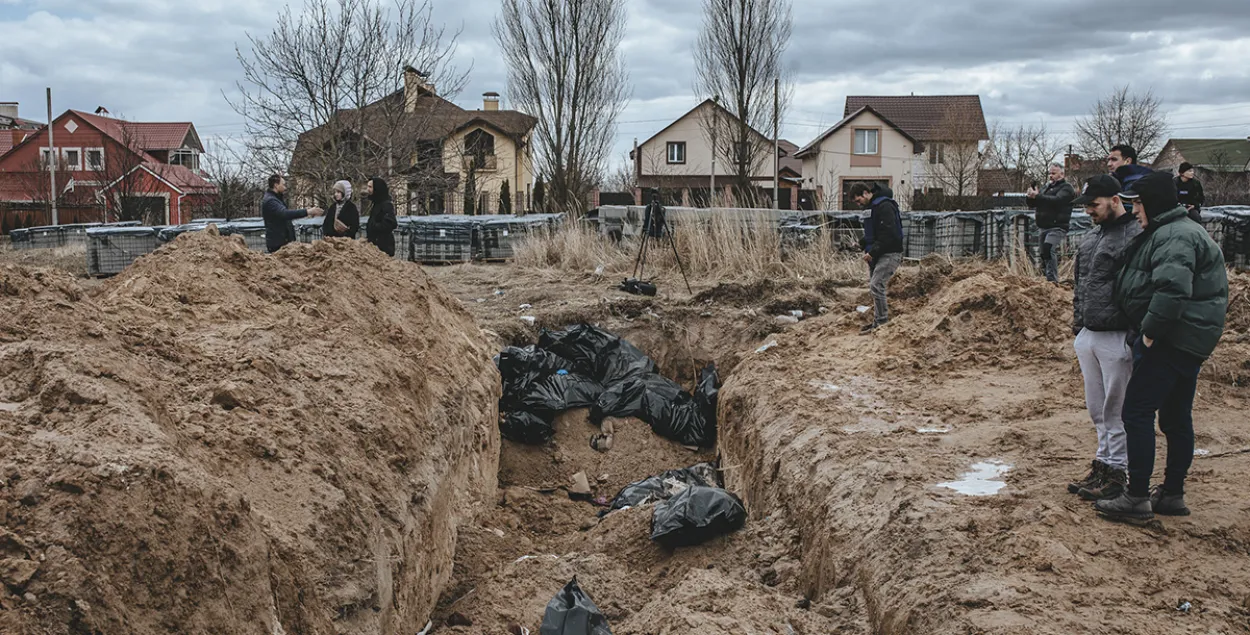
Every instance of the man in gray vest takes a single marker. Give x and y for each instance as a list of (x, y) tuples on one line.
[(1102, 334)]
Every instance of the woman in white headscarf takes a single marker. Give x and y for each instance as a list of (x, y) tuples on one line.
[(342, 219)]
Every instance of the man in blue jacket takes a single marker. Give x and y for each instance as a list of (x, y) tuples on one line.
[(883, 245), (279, 230), (1122, 163)]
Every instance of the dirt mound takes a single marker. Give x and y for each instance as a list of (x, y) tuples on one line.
[(220, 441), (988, 315)]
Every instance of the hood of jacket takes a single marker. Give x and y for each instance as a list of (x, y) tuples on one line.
[(381, 191), (1130, 173), (345, 187), (879, 192)]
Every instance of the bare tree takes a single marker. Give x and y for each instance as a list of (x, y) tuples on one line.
[(125, 190), (1123, 117), (1023, 154), (338, 68), (565, 68), (1226, 180), (622, 178), (737, 58), (954, 164), (238, 193)]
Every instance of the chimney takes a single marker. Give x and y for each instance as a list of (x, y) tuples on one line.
[(490, 101), (414, 82), (8, 109)]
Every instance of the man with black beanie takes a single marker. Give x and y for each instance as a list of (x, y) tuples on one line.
[(1174, 290)]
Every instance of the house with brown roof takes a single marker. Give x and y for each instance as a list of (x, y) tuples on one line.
[(107, 170), (912, 144), (678, 161), (1222, 165), (440, 158)]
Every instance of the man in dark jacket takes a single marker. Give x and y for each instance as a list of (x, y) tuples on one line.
[(1054, 215), (382, 222), (279, 230), (1122, 163), (1102, 334), (1189, 191), (883, 245), (1174, 288)]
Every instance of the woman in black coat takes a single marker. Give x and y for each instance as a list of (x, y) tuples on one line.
[(382, 223), (342, 219)]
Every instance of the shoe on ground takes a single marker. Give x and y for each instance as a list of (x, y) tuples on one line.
[(1125, 507), (1165, 504), (868, 328), (1095, 472), (1111, 485)]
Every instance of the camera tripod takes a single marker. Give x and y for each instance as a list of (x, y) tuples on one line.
[(654, 228)]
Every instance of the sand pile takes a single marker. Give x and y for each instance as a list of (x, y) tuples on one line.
[(1230, 364), (989, 317), (219, 441)]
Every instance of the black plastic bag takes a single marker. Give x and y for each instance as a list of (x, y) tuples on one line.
[(695, 516), (582, 345), (515, 363), (556, 393), (706, 396), (670, 411), (622, 361), (665, 485), (572, 612), (526, 427)]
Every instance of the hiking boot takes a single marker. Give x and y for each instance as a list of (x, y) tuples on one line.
[(1111, 485), (1095, 472), (868, 328), (1161, 502), (1125, 507)]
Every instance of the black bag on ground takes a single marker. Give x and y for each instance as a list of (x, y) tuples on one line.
[(526, 427), (696, 515), (556, 393), (515, 363), (622, 361), (665, 485), (670, 411), (572, 612), (582, 345)]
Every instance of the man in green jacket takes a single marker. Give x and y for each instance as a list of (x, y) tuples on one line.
[(1174, 289)]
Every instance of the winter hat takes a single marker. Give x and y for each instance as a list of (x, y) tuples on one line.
[(1185, 167), (1155, 191), (345, 187)]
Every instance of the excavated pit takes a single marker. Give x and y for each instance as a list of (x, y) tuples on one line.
[(845, 449)]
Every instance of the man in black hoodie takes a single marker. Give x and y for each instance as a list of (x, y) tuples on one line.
[(382, 223), (883, 245), (1054, 215), (1189, 191)]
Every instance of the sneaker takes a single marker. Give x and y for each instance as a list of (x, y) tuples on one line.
[(868, 328), (1125, 507), (1095, 471), (1167, 504), (1111, 485)]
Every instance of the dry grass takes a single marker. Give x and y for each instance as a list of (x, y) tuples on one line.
[(726, 247), (72, 258)]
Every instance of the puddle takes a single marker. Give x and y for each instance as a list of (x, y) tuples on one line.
[(933, 429), (980, 479), (1197, 451), (9, 407)]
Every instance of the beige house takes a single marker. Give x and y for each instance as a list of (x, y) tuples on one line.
[(913, 144), (678, 161), (440, 158)]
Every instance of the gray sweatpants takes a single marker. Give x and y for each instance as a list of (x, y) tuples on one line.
[(1106, 363), (880, 272), (1048, 251)]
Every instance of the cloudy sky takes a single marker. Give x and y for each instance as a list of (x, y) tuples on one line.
[(1030, 62)]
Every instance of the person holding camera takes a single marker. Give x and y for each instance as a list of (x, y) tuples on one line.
[(1054, 215), (883, 245)]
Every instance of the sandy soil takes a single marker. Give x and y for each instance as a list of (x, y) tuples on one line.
[(838, 442), (217, 441)]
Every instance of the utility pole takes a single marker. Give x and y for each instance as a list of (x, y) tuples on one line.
[(715, 125), (52, 161), (776, 143)]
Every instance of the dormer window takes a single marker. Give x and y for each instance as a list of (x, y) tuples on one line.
[(185, 158)]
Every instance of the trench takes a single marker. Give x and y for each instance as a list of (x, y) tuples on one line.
[(534, 538)]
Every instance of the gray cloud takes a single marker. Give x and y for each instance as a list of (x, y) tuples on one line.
[(1030, 62)]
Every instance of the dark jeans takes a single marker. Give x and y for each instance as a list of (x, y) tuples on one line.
[(1164, 381)]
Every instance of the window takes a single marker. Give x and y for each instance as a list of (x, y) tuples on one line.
[(847, 202), (479, 143), (676, 151), (185, 158), (45, 157), (866, 141), (95, 159), (72, 157), (937, 153)]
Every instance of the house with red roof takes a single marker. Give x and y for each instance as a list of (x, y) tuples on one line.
[(107, 170)]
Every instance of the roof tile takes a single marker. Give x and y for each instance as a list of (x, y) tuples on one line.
[(923, 116)]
